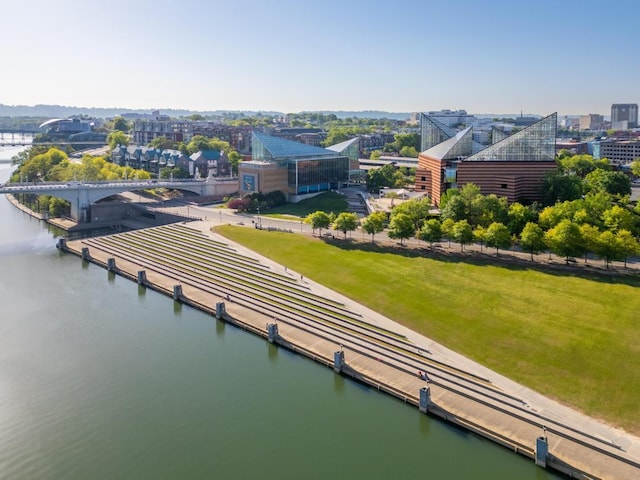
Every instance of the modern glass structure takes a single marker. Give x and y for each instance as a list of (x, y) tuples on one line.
[(433, 132), (351, 148), (537, 142), (497, 134), (293, 167), (513, 166)]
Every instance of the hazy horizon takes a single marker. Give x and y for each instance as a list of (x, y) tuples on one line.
[(284, 56)]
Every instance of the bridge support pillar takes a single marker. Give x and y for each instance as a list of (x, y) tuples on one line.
[(425, 399), (111, 264), (272, 332), (85, 253), (62, 244), (177, 292), (220, 310), (338, 361), (542, 451), (142, 277)]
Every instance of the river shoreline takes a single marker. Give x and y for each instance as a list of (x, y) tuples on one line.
[(572, 452)]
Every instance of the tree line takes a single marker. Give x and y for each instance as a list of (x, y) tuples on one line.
[(592, 215)]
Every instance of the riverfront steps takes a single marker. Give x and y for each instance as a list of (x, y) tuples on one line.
[(315, 323)]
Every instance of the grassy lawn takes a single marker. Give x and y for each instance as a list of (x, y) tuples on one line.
[(571, 338), (327, 202)]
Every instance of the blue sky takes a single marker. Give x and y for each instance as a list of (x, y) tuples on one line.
[(491, 56)]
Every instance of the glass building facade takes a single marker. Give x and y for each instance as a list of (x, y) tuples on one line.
[(433, 132), (309, 169), (536, 143), (318, 175)]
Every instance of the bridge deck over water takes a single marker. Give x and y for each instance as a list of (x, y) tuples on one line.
[(81, 194)]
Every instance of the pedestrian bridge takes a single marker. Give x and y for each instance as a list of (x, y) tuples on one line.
[(82, 194)]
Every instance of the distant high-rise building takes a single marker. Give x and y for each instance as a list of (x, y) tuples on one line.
[(624, 112), (591, 121)]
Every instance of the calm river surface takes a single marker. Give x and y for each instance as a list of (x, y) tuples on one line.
[(100, 379)]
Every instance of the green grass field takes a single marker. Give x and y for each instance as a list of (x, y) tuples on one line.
[(327, 202), (572, 338)]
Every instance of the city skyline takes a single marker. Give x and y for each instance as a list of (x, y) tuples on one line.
[(495, 57)]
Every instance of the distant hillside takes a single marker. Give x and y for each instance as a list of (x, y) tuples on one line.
[(63, 111)]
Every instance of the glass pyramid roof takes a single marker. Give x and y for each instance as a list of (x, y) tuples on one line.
[(535, 143), (433, 132), (457, 146), (268, 148), (342, 146)]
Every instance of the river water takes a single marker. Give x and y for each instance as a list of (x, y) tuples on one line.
[(101, 379)]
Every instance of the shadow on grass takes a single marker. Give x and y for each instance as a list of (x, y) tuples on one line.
[(327, 202), (486, 259)]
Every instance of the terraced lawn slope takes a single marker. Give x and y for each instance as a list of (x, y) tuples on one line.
[(571, 338)]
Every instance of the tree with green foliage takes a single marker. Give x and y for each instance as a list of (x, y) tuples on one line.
[(173, 172), (447, 230), (318, 220), (336, 135), (454, 208), (40, 166), (635, 167), (480, 235), (121, 125), (409, 152), (116, 138), (462, 233), (345, 222), (406, 140), (619, 218), (448, 195), (519, 215), (608, 248), (532, 239), (581, 165), (374, 223), (234, 159), (401, 226), (498, 236), (378, 178), (590, 237), (417, 209), (431, 231), (565, 240), (58, 207), (627, 244), (558, 187), (375, 154), (614, 183), (487, 209), (462, 204), (162, 143)]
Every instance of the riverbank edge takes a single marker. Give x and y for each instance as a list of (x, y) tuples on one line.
[(252, 322)]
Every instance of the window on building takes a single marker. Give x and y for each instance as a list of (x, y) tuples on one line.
[(504, 185)]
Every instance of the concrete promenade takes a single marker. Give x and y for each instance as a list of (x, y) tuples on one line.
[(318, 322)]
